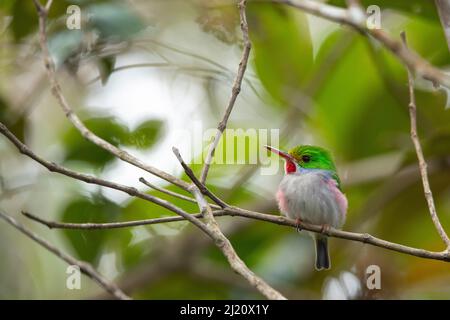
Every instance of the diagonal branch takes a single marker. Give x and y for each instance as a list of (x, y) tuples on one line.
[(210, 228), (356, 18), (75, 120), (443, 8), (53, 167), (234, 91), (422, 163), (174, 194), (222, 242), (85, 267), (204, 190)]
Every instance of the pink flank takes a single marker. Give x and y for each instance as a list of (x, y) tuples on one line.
[(340, 197), (281, 201)]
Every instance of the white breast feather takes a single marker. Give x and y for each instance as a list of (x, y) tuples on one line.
[(308, 197)]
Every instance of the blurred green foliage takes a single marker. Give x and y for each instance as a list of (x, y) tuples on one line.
[(80, 149), (89, 245), (282, 48), (356, 105)]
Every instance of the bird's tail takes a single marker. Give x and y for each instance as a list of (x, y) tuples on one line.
[(322, 256)]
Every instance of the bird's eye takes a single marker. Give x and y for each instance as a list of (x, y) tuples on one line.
[(306, 158)]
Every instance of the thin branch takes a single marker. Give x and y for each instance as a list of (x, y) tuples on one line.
[(10, 192), (225, 71), (75, 120), (85, 267), (357, 20), (443, 8), (174, 194), (422, 163), (331, 232), (199, 184), (53, 167), (211, 228), (278, 220), (354, 17), (190, 54), (113, 225), (234, 92), (222, 242), (48, 5), (161, 65)]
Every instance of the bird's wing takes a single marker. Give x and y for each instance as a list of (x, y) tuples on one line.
[(332, 175), (338, 181)]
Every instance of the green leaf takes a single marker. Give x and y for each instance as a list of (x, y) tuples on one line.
[(419, 8), (64, 44), (145, 135), (352, 110), (427, 38), (219, 21), (80, 149), (24, 20), (25, 16), (88, 245), (6, 5), (142, 209), (282, 49), (106, 66), (114, 19), (16, 123), (108, 128)]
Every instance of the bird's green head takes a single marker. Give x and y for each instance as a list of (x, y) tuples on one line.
[(312, 157), (307, 157)]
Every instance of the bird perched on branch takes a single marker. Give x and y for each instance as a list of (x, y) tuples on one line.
[(311, 192)]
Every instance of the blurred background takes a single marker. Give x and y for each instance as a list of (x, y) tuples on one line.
[(142, 74)]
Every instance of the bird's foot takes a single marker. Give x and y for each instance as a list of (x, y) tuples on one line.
[(325, 229), (298, 226)]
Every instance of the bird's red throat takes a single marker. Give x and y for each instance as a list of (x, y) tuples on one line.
[(289, 167)]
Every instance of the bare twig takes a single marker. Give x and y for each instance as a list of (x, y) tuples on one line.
[(113, 225), (422, 163), (186, 68), (279, 220), (198, 183), (352, 16), (185, 249), (211, 228), (234, 92), (443, 8), (228, 211), (359, 237), (174, 194), (53, 167), (75, 120), (85, 267), (224, 244), (357, 20)]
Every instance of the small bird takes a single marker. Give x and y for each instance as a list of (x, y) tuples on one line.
[(311, 192)]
